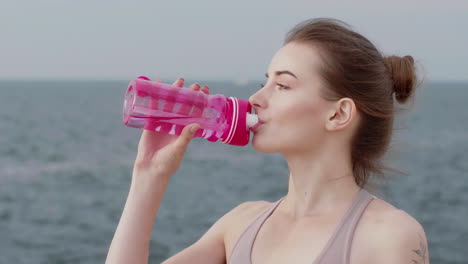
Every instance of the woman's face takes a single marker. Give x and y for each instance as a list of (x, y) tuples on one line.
[(289, 104)]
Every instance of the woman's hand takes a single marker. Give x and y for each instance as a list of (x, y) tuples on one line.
[(160, 154)]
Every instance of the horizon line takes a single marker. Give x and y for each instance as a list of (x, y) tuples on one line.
[(243, 80)]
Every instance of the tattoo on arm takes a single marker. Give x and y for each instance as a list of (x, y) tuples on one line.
[(421, 252)]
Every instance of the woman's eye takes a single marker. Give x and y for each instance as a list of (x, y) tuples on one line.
[(280, 85)]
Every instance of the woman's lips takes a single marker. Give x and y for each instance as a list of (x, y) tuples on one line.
[(255, 128)]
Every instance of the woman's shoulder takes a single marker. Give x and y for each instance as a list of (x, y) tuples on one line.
[(380, 212), (253, 207), (247, 211), (241, 217), (385, 228)]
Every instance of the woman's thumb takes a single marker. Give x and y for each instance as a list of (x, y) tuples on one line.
[(187, 133), (194, 128)]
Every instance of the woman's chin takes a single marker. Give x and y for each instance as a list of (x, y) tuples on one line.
[(263, 146)]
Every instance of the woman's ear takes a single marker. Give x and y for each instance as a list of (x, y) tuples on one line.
[(343, 112)]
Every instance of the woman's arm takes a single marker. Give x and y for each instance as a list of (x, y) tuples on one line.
[(132, 237), (159, 157)]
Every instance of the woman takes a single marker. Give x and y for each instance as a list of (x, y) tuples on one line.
[(328, 107)]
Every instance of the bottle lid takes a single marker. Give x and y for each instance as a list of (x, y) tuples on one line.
[(237, 114)]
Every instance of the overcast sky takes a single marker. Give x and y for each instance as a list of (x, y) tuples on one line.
[(212, 40)]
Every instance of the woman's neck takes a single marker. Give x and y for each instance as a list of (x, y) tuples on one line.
[(319, 184)]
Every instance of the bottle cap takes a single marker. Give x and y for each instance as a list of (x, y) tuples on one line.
[(238, 111)]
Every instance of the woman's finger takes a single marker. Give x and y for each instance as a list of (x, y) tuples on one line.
[(205, 89), (193, 86), (196, 87), (186, 136), (179, 82)]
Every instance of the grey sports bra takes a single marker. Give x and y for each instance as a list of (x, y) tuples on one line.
[(337, 249)]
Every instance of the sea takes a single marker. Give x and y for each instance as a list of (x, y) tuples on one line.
[(66, 160)]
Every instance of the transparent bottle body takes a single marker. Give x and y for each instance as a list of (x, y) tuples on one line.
[(168, 109)]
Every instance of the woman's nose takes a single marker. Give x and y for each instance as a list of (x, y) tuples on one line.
[(253, 101)]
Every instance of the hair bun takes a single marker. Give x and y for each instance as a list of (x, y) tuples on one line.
[(403, 74)]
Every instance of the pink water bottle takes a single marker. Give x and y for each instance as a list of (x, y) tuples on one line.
[(165, 108)]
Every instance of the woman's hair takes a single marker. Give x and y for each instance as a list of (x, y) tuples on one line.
[(352, 67)]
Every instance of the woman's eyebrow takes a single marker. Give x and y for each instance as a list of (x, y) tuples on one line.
[(282, 72)]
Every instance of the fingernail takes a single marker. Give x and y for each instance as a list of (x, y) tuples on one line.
[(194, 129), (181, 79)]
